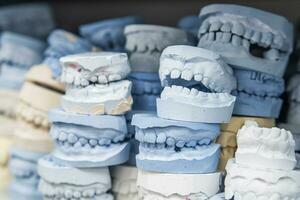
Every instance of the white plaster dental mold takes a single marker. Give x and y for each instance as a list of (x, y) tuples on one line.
[(245, 183), (163, 186), (266, 148), (246, 37), (124, 182), (211, 80), (146, 42), (295, 129), (95, 67), (59, 181), (95, 85)]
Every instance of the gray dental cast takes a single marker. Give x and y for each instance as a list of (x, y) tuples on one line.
[(247, 38)]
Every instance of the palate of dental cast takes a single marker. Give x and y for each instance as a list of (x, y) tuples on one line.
[(163, 186), (266, 148), (145, 43), (246, 37), (89, 140), (87, 68), (243, 183), (61, 181)]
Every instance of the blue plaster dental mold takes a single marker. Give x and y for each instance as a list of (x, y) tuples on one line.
[(89, 140), (247, 38), (65, 182), (33, 19), (17, 54), (62, 43), (23, 167), (176, 146), (109, 34), (257, 94), (145, 89), (190, 24), (197, 85)]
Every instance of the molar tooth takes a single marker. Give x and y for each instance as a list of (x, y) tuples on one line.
[(175, 73), (248, 33), (204, 27), (93, 79), (119, 138), (150, 137), (180, 144), (246, 44), (272, 54), (170, 141), (187, 75), (226, 27), (236, 40), (84, 82), (194, 92), (103, 141), (72, 138), (191, 144), (139, 135), (161, 138), (238, 29), (226, 37), (83, 141), (102, 79), (255, 37), (215, 26), (93, 142), (77, 145), (198, 77), (114, 77), (204, 141), (186, 91), (211, 36), (62, 136)]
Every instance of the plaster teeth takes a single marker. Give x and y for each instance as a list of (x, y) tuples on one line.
[(102, 79), (175, 74), (204, 27), (118, 138), (186, 91), (203, 38), (215, 26), (161, 138), (114, 77), (198, 77), (277, 42), (93, 79), (83, 141), (246, 44), (248, 33), (255, 37), (77, 144), (77, 81), (226, 37), (93, 142), (219, 36), (191, 144), (236, 40), (272, 54), (266, 39), (170, 142), (180, 144), (166, 72), (84, 82), (226, 27), (150, 137), (211, 36), (187, 75), (194, 92), (62, 136), (72, 138), (238, 29)]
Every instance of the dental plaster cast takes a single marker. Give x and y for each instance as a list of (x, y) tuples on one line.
[(190, 24), (145, 43), (164, 186), (36, 19), (175, 146), (109, 34), (8, 102), (62, 43), (293, 89), (17, 54), (243, 182), (227, 138), (124, 182), (94, 83), (35, 102), (197, 86), (247, 38), (257, 94), (266, 148), (89, 140), (23, 167), (146, 89), (5, 144), (65, 182), (295, 130)]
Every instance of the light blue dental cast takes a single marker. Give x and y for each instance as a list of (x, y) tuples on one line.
[(17, 54), (23, 167), (258, 94), (247, 38), (62, 43), (176, 146), (89, 140), (109, 34)]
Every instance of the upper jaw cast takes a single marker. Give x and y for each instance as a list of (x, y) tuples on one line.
[(201, 81), (247, 38), (94, 74)]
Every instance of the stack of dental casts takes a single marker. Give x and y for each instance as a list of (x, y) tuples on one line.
[(40, 93), (89, 130), (17, 54), (177, 157), (257, 44), (108, 35), (264, 164)]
